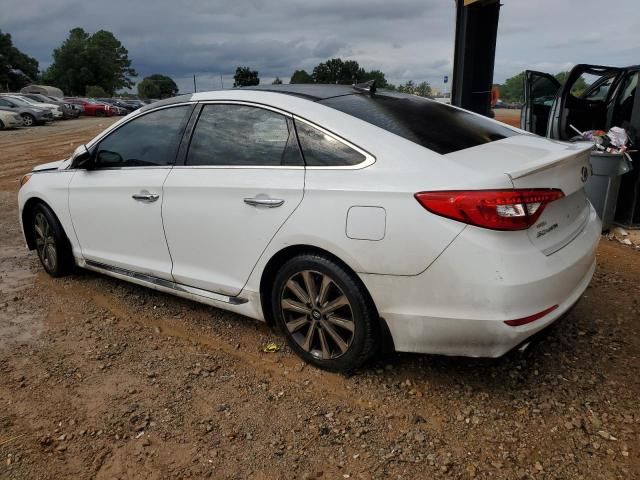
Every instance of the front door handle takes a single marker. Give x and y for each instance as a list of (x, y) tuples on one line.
[(145, 197), (263, 201)]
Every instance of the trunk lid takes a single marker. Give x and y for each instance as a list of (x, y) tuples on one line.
[(534, 162), (566, 167)]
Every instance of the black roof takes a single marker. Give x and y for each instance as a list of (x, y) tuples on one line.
[(313, 92)]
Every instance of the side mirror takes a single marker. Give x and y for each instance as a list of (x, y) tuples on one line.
[(82, 158)]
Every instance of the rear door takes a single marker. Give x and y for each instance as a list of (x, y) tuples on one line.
[(540, 90), (584, 101), (242, 177)]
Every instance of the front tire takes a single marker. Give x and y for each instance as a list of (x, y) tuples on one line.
[(28, 120), (51, 242), (324, 313)]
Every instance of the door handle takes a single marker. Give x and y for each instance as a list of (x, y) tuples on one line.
[(145, 197), (261, 201)]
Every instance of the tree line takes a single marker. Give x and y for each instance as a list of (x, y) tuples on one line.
[(512, 90), (98, 65), (335, 71)]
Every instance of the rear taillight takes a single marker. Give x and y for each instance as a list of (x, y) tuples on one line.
[(494, 209)]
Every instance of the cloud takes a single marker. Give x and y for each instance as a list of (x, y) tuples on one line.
[(408, 39)]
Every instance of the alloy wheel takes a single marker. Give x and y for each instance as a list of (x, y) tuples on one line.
[(317, 314), (45, 242), (27, 120)]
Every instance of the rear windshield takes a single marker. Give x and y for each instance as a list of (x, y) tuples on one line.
[(433, 125)]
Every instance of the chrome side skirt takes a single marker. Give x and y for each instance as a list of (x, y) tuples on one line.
[(161, 284)]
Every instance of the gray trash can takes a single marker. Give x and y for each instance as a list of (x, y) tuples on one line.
[(603, 186)]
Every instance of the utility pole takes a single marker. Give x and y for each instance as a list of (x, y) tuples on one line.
[(475, 51)]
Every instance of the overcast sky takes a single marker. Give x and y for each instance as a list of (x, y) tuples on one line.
[(410, 39)]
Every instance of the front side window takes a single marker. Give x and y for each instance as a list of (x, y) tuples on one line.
[(322, 150), (150, 140), (242, 135)]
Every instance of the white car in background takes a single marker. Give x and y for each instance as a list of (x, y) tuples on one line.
[(9, 119), (349, 218), (55, 110)]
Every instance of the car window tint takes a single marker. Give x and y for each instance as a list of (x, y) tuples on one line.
[(322, 150), (433, 125), (240, 135), (149, 140)]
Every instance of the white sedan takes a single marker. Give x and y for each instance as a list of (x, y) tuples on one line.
[(10, 120), (353, 220)]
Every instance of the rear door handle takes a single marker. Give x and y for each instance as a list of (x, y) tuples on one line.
[(145, 197), (261, 201)]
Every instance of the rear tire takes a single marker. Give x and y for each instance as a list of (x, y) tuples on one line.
[(324, 313), (1, 125), (52, 245)]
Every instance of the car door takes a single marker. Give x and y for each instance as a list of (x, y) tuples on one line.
[(540, 90), (116, 203), (242, 177), (584, 101)]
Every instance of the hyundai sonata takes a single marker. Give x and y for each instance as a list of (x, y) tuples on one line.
[(349, 218)]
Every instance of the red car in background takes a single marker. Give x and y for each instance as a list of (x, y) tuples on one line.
[(92, 107)]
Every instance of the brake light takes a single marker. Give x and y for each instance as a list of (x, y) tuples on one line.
[(515, 209)]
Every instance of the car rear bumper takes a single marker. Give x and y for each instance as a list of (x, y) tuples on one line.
[(458, 306)]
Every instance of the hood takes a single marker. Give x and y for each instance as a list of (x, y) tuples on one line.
[(48, 166)]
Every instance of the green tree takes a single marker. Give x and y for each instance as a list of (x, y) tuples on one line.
[(84, 59), (301, 76), (16, 68), (335, 70), (423, 89), (157, 86), (578, 87), (513, 89), (408, 87), (245, 77), (378, 76), (276, 81), (96, 91)]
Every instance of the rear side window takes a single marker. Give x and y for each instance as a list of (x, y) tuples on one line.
[(148, 140), (433, 125), (241, 135), (322, 150)]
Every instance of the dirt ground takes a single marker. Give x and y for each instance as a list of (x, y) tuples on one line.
[(508, 115), (103, 379)]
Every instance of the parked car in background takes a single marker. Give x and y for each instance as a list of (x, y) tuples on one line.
[(30, 115), (608, 100), (350, 220), (9, 119), (134, 103), (117, 109), (68, 111), (79, 108), (55, 110), (91, 107), (118, 103)]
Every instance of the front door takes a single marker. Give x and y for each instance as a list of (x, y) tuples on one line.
[(584, 101), (116, 203), (540, 90), (242, 177)]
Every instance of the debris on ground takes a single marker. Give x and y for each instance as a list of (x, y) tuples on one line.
[(630, 238)]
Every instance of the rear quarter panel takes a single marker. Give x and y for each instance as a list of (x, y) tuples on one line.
[(413, 237)]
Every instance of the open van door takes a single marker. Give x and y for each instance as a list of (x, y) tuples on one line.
[(584, 100), (540, 90)]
